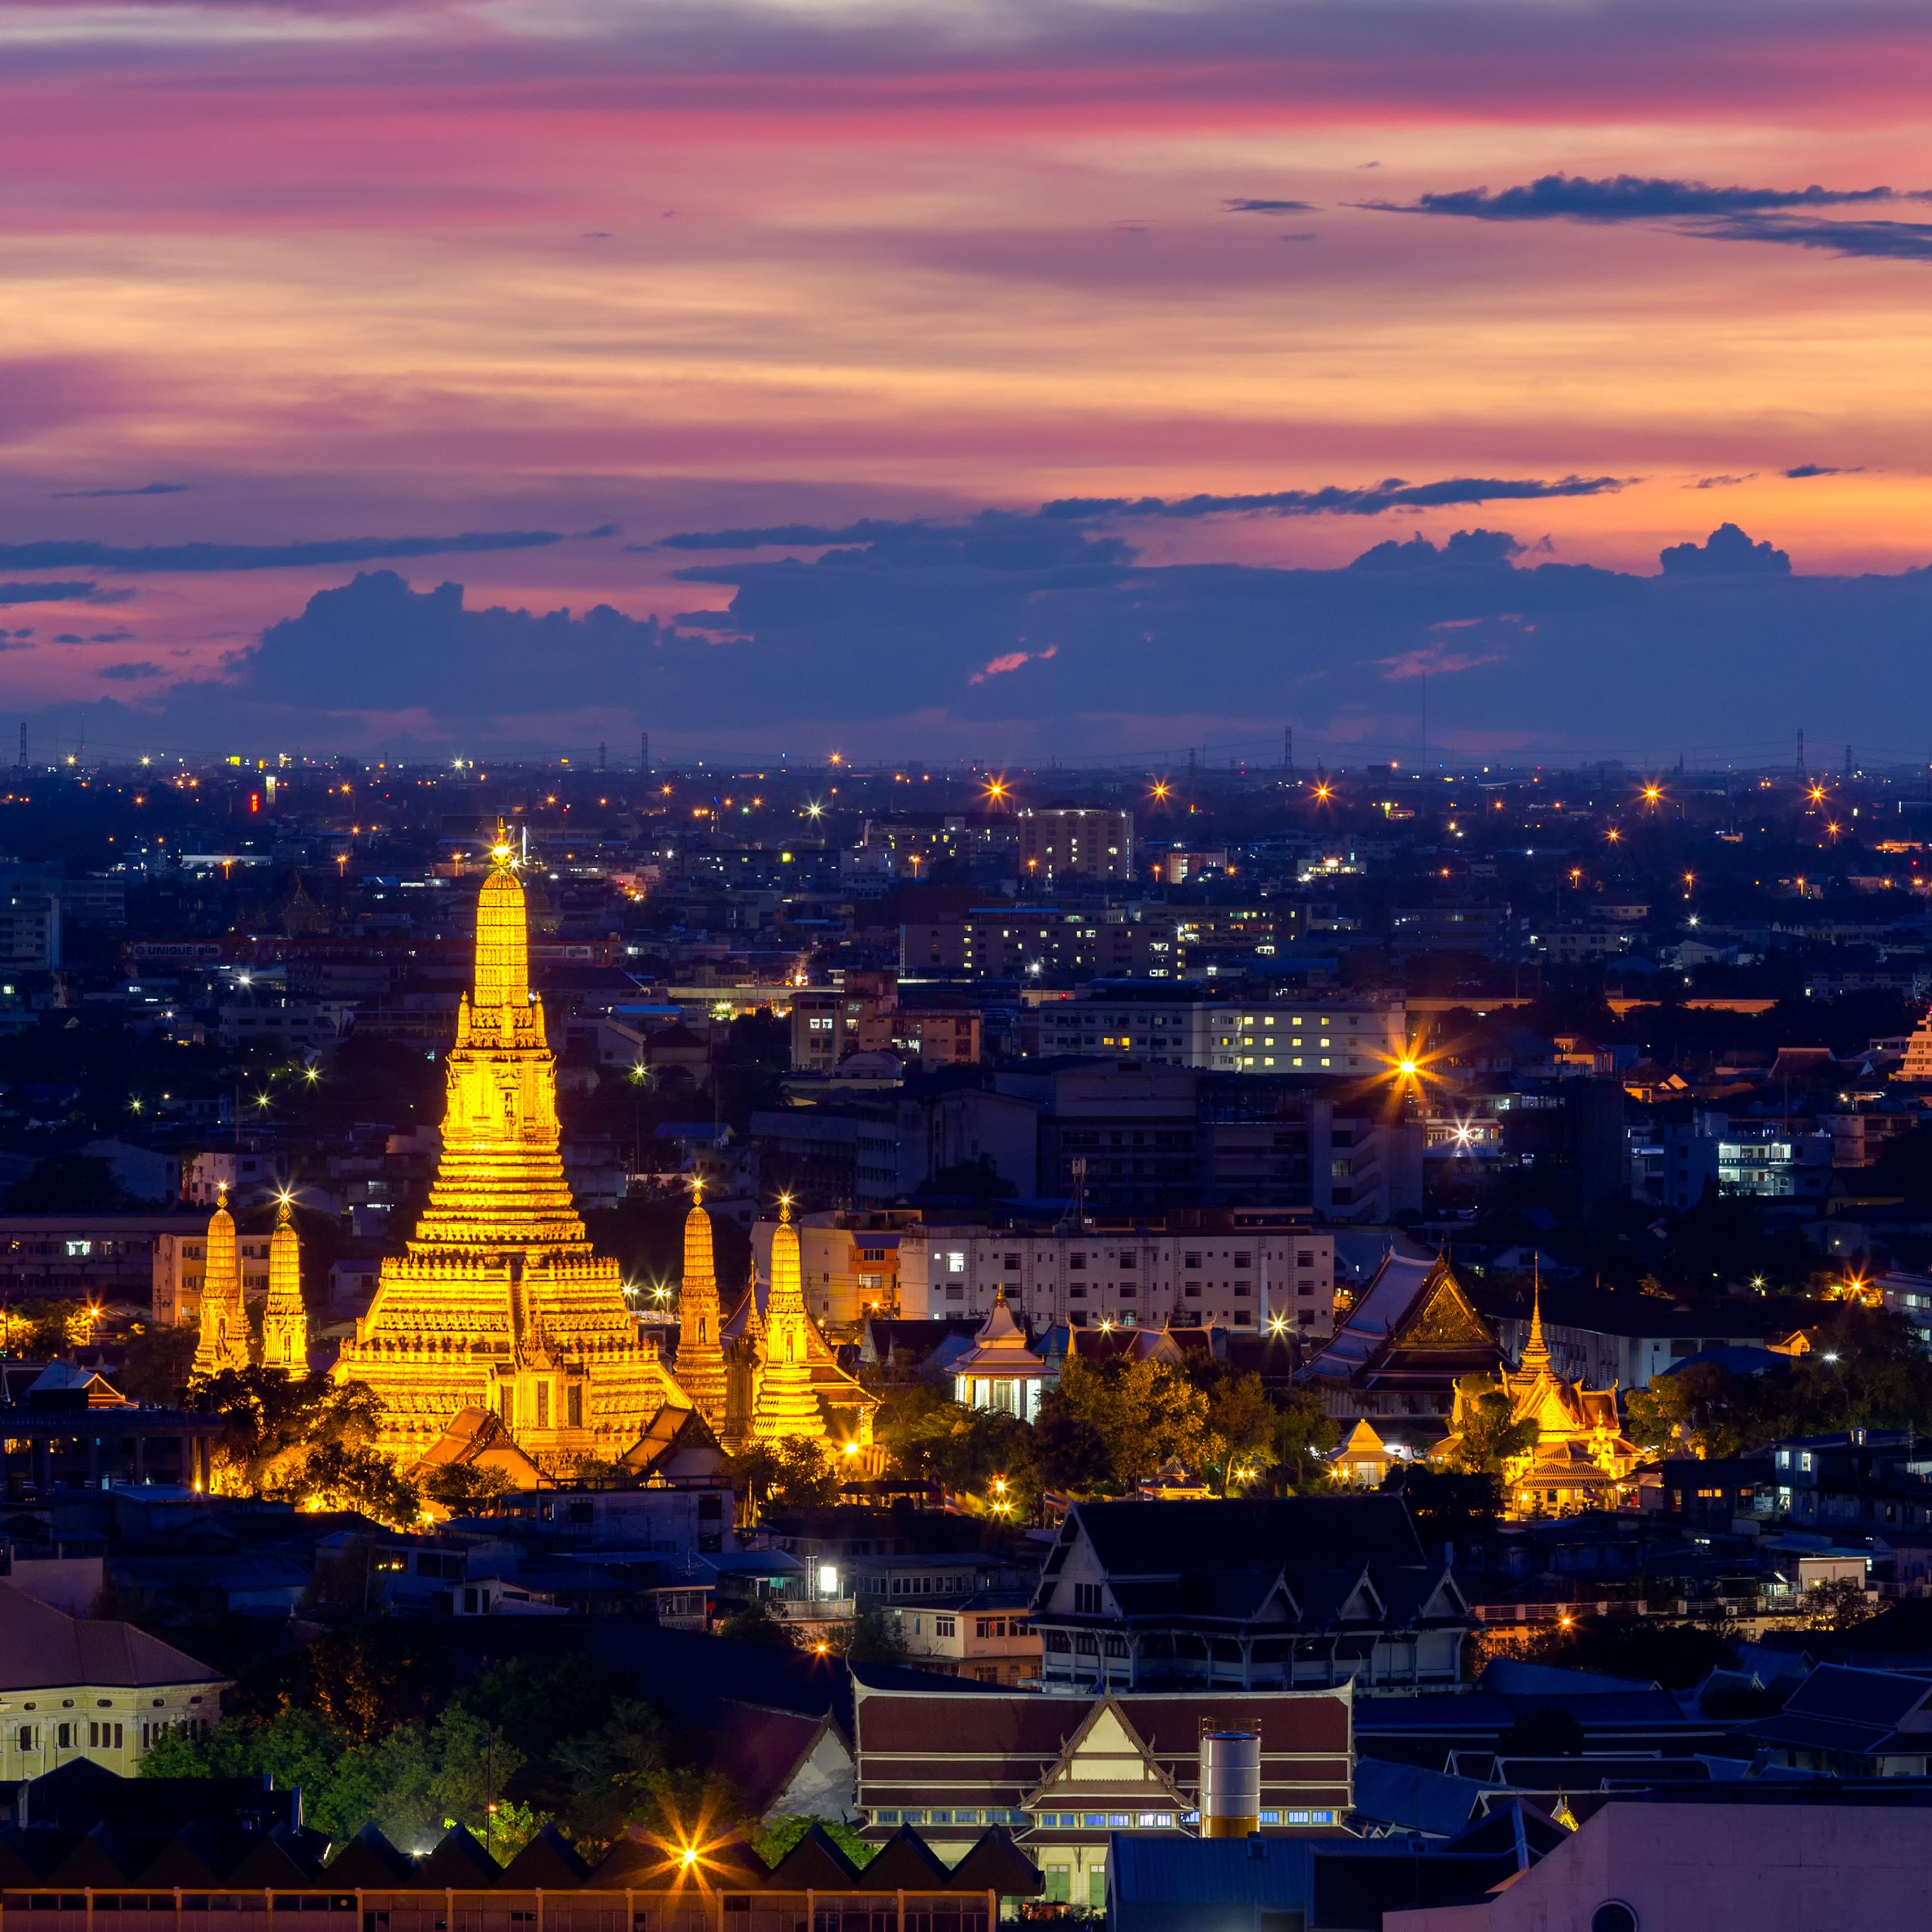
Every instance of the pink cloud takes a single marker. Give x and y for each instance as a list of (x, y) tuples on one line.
[(1011, 660)]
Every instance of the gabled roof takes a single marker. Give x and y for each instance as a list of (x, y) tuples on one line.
[(1117, 1762), (674, 1429), (996, 1864), (286, 1857), (191, 1859), (16, 1868), (815, 1864), (1880, 1699), (1414, 1308), (475, 1437), (1153, 1539), (458, 1861), (906, 1863), (45, 1649), (550, 1860), (1001, 1346), (100, 1857), (369, 1861)]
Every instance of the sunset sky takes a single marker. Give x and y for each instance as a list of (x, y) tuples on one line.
[(504, 294)]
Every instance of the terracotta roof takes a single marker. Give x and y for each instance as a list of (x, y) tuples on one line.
[(43, 1649)]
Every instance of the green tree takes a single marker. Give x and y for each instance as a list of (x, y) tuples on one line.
[(1837, 1604), (791, 1474), (1240, 1431), (874, 1636), (1303, 1436), (68, 1184), (1140, 1413), (1490, 1435), (757, 1623), (459, 1487), (1644, 1649), (773, 1838), (157, 1362)]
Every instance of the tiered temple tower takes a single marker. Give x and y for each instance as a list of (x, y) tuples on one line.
[(787, 1404), (498, 1303), (700, 1362), (284, 1320), (224, 1338)]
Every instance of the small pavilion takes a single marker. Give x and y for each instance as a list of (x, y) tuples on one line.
[(1000, 1370)]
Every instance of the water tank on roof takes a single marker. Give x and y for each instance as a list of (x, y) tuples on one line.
[(1230, 1784)]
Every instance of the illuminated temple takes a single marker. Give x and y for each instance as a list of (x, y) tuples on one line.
[(1580, 1458), (498, 1311)]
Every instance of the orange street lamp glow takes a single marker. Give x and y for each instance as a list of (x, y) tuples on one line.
[(1161, 789), (1323, 793)]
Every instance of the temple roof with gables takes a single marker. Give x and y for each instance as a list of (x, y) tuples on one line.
[(1001, 1347), (1412, 1323)]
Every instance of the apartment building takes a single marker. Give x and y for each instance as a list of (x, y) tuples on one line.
[(849, 1262), (1240, 1267), (865, 1016), (1070, 842), (1322, 1040), (180, 1265)]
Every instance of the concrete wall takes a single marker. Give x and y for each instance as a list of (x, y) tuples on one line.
[(1717, 1868)]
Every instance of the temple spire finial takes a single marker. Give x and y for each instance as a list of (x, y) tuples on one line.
[(1535, 1351)]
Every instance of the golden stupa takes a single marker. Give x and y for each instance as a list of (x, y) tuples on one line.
[(224, 1342), (498, 1306), (787, 1404), (285, 1319), (700, 1362)]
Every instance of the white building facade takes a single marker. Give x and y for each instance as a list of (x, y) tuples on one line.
[(1335, 1040), (1256, 1268)]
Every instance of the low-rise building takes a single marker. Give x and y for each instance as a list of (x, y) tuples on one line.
[(1063, 1779), (1276, 1595), (74, 1687)]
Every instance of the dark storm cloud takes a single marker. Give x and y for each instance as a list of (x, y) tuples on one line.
[(1334, 499), (1625, 198), (44, 593), (1035, 636), (138, 489), (1726, 552), (377, 644), (56, 554), (1878, 241)]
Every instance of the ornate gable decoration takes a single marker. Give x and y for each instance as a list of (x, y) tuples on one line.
[(1442, 1318)]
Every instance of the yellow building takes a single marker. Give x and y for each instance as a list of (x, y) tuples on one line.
[(1581, 1459), (498, 1303)]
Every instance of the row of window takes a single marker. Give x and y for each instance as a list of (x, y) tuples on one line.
[(956, 1815), (103, 1734)]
